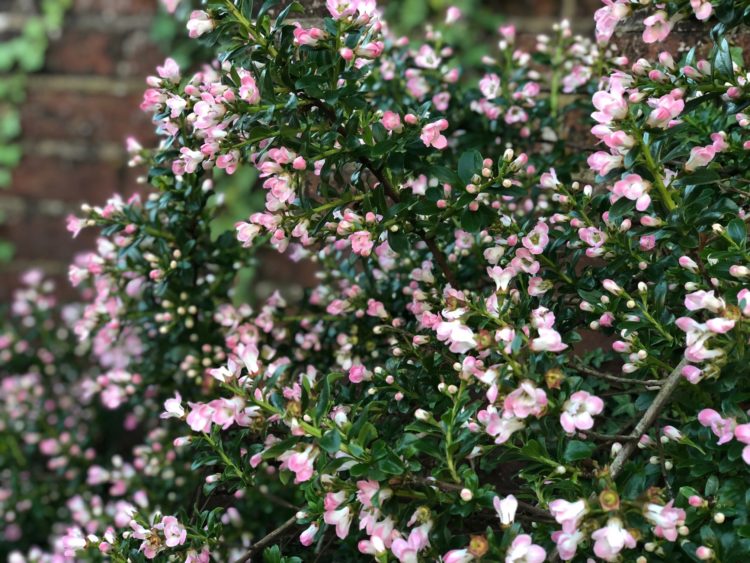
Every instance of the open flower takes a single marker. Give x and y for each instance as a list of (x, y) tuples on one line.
[(579, 410)]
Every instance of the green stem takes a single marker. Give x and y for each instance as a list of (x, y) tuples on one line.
[(664, 194)]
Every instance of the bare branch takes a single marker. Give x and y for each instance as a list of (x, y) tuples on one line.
[(267, 540), (596, 373), (649, 417)]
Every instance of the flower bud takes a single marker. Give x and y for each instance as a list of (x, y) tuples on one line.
[(466, 495)]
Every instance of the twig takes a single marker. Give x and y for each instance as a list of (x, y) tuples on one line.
[(442, 262), (267, 540), (649, 417), (596, 373), (539, 513), (607, 437)]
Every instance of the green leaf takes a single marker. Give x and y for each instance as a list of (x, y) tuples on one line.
[(737, 231), (723, 59), (469, 164), (398, 241), (321, 407), (331, 441), (577, 450)]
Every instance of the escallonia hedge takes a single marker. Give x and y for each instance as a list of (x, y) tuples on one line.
[(528, 336)]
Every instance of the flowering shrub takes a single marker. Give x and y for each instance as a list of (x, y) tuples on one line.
[(525, 342)]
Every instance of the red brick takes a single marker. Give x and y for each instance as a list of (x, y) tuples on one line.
[(89, 117), (114, 7), (37, 237), (65, 179), (83, 52)]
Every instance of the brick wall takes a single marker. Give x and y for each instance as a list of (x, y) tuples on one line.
[(84, 103), (78, 111)]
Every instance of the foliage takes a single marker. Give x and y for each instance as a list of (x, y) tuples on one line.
[(516, 348)]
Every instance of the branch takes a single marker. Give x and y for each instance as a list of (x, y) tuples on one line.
[(539, 513), (442, 262), (596, 373), (649, 417), (264, 542)]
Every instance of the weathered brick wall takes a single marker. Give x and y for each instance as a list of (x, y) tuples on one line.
[(78, 111), (85, 102)]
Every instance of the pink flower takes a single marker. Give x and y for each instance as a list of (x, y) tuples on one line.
[(526, 401), (341, 519), (458, 556), (704, 300), (248, 87), (634, 188), (500, 428), (406, 551), (702, 9), (657, 27), (427, 58), (595, 238), (666, 109), (489, 85), (506, 509), (522, 550), (174, 533), (579, 410), (611, 106), (568, 514), (611, 540), (170, 70), (302, 464), (309, 37), (371, 50), (452, 15), (229, 162), (537, 239), (700, 157), (170, 5), (173, 407), (606, 18), (392, 121), (549, 340), (340, 9), (307, 537), (567, 543), (723, 428), (199, 23), (742, 433), (603, 163), (199, 417), (431, 134), (361, 242), (459, 336), (665, 519), (358, 373), (647, 242)]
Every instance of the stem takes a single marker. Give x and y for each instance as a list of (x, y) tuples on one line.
[(449, 434), (649, 417), (664, 194), (437, 254), (267, 540), (596, 373)]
